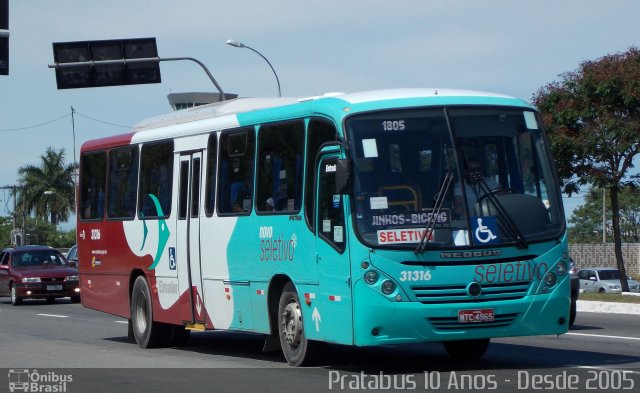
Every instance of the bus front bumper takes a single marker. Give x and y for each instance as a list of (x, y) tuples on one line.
[(379, 321)]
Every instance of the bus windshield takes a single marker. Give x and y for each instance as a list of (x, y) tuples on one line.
[(452, 177)]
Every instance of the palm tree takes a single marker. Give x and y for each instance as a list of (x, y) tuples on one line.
[(48, 189)]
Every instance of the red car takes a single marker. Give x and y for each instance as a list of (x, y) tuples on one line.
[(37, 272)]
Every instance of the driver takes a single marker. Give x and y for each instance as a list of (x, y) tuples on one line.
[(472, 189)]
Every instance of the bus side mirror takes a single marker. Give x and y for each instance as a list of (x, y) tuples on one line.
[(343, 176)]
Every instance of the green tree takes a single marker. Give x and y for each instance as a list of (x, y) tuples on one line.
[(42, 232), (48, 189), (593, 121), (587, 221), (6, 224)]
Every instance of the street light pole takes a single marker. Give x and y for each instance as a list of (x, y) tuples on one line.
[(53, 214), (241, 45), (76, 167)]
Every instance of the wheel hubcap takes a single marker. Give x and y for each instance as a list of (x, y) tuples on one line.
[(292, 324)]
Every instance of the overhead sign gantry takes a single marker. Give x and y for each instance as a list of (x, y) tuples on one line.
[(102, 63)]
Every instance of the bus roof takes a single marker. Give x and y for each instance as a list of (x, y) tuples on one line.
[(243, 105), (243, 111), (106, 142)]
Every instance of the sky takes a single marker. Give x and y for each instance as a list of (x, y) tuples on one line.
[(502, 46)]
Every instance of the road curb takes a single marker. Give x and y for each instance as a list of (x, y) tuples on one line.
[(608, 307)]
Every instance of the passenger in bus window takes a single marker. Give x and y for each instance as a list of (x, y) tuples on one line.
[(101, 202), (95, 205), (474, 175), (271, 205), (240, 194)]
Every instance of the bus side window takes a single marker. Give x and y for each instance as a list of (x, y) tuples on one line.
[(210, 181), (235, 176), (123, 183), (319, 131), (279, 185), (156, 180), (93, 168)]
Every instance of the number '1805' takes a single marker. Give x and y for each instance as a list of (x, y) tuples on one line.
[(393, 125)]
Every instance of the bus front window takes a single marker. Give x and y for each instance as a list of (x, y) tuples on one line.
[(460, 177)]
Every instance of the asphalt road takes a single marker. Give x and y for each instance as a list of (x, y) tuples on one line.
[(602, 351)]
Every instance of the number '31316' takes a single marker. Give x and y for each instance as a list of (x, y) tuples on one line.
[(415, 275)]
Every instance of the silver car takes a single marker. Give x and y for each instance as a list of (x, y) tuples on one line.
[(603, 280)]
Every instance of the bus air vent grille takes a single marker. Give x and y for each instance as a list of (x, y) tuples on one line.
[(443, 294)]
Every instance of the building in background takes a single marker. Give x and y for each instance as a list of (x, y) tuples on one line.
[(180, 101)]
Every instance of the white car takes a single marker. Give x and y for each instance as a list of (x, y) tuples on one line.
[(604, 280), (72, 255)]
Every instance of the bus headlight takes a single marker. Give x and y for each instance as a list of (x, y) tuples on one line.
[(388, 287), (561, 268), (371, 277), (550, 279)]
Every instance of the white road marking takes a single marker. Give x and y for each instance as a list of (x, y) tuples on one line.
[(120, 321), (53, 315), (603, 336)]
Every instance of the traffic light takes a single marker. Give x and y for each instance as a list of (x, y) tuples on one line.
[(106, 63)]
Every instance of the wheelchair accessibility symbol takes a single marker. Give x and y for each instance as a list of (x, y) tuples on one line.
[(485, 230), (172, 258)]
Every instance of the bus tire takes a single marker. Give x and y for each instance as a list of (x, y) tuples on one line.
[(148, 334), (130, 336), (575, 293), (572, 314), (466, 349), (297, 350)]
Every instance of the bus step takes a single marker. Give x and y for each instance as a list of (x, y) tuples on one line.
[(195, 326)]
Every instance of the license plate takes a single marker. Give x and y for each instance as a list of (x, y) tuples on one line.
[(54, 287), (476, 316)]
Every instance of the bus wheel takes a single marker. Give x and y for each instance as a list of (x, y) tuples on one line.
[(572, 312), (148, 334), (466, 349), (296, 348)]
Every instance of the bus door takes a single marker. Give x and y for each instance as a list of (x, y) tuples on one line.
[(334, 318), (188, 239)]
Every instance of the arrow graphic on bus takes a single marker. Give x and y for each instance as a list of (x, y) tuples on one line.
[(163, 232), (316, 318), (198, 304)]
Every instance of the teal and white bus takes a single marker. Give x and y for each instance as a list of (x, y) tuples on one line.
[(366, 219)]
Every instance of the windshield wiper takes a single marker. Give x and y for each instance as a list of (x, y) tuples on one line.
[(508, 224), (437, 207)]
